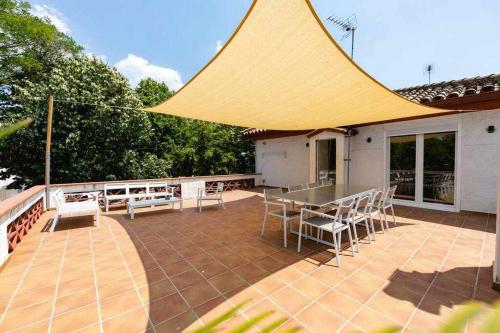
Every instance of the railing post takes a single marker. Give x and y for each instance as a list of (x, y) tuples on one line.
[(47, 151)]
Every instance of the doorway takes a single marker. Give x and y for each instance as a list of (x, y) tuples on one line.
[(326, 160)]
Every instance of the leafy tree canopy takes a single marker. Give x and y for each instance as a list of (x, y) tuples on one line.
[(91, 141), (98, 132), (28, 44)]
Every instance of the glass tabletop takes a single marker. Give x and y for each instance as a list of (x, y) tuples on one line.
[(324, 195)]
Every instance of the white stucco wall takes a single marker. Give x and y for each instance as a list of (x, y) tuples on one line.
[(286, 161), (479, 154), (282, 161)]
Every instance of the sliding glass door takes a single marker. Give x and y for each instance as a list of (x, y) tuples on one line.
[(439, 168), (423, 167), (402, 165)]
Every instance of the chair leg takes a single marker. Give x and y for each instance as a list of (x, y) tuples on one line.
[(336, 245), (385, 219), (373, 227), (381, 221), (368, 231), (222, 204), (300, 236), (264, 224), (350, 241), (54, 222), (393, 215), (285, 232), (97, 219), (356, 240)]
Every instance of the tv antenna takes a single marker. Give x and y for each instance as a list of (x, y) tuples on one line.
[(349, 26), (428, 69)]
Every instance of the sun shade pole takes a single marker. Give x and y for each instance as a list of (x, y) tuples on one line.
[(47, 151)]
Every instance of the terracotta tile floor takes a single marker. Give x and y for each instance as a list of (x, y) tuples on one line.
[(169, 271)]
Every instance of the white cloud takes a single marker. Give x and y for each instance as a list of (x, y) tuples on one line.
[(55, 17), (218, 46), (136, 68)]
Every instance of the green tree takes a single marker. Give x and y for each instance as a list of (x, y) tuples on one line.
[(195, 147), (91, 140), (28, 44)]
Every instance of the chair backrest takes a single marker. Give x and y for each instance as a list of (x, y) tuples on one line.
[(344, 210), (376, 199), (362, 204), (292, 188), (391, 192), (271, 193), (313, 185), (220, 187), (59, 198), (327, 182)]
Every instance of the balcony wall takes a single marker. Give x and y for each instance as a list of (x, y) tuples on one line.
[(20, 212)]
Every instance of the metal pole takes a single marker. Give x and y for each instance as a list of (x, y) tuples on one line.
[(352, 43), (47, 151)]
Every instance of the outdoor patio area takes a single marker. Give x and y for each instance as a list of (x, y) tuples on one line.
[(169, 271)]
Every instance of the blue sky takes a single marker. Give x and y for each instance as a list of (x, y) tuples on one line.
[(172, 39)]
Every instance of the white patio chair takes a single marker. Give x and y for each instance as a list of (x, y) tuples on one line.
[(387, 203), (360, 214), (329, 223), (374, 208), (326, 182), (207, 194), (89, 207), (281, 212)]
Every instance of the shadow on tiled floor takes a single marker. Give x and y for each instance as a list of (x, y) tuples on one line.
[(167, 271)]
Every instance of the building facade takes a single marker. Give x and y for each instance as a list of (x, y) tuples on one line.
[(446, 162)]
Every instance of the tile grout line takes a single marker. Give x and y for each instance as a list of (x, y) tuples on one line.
[(314, 301), (365, 304), (483, 245), (22, 278), (459, 231), (195, 269), (476, 282), (332, 288), (58, 281), (167, 276), (98, 301), (130, 275)]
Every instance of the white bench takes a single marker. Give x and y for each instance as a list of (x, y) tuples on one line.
[(89, 207), (150, 191), (132, 204)]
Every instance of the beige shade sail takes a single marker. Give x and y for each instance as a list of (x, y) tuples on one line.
[(282, 70)]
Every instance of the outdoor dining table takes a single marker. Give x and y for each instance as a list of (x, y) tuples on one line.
[(324, 196)]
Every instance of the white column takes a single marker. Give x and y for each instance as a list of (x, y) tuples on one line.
[(496, 266)]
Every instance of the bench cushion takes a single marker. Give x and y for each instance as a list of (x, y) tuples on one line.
[(79, 207)]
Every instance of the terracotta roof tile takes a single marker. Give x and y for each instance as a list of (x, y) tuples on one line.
[(428, 93), (451, 89)]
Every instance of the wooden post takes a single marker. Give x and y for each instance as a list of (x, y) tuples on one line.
[(47, 151)]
